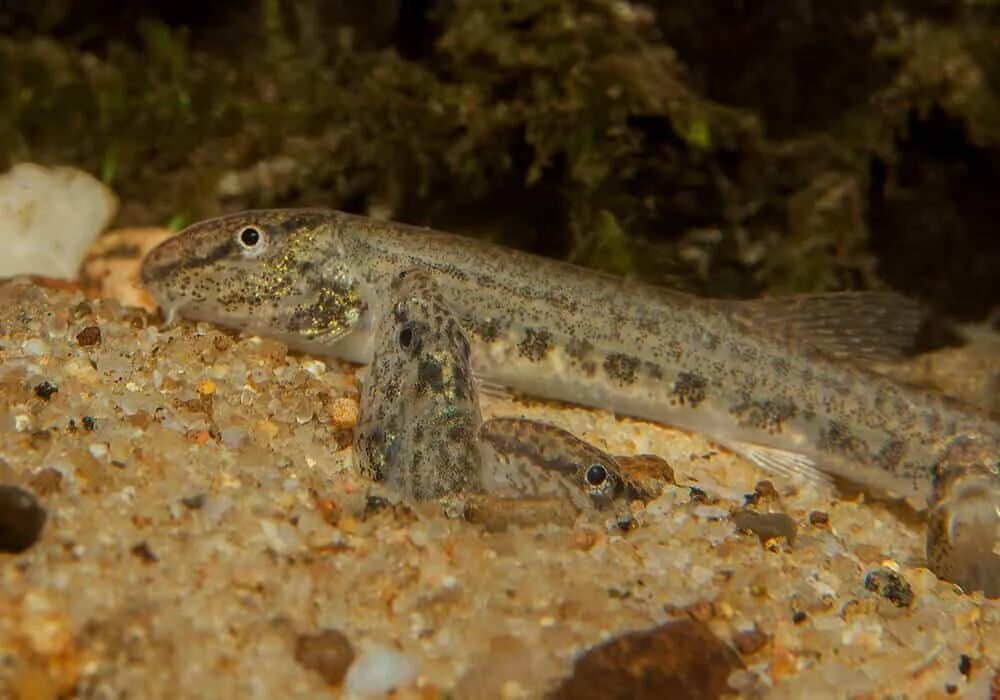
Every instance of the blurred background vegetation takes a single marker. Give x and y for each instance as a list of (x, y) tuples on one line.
[(726, 147)]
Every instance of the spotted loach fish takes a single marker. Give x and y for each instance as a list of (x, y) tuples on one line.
[(421, 432)]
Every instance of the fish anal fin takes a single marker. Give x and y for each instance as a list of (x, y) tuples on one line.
[(788, 465), (865, 327)]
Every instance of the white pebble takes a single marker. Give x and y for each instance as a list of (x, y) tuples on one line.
[(378, 671), (98, 450), (36, 347)]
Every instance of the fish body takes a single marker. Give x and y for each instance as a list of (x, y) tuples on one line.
[(783, 382), (421, 431)]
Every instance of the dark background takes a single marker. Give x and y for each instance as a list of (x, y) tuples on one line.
[(724, 147)]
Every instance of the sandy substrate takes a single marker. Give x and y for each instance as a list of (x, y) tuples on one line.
[(205, 537)]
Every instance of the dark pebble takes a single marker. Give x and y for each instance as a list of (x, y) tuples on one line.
[(45, 390), (681, 659), (21, 519), (88, 423), (818, 518), (91, 335), (194, 502), (798, 617), (328, 653), (145, 552), (888, 584), (375, 503), (697, 494), (964, 664)]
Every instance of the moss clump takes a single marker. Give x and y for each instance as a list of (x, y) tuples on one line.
[(731, 150)]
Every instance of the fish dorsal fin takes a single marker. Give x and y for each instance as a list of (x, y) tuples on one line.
[(867, 327)]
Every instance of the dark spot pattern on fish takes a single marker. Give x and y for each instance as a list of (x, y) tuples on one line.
[(890, 455), (621, 369), (535, 345), (429, 377), (689, 388), (781, 366), (769, 414), (836, 437), (488, 330)]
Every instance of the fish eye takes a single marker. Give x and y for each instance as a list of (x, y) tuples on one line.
[(406, 338), (251, 239), (596, 475), (409, 337)]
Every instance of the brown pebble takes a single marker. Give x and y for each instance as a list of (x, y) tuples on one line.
[(91, 335), (145, 552), (765, 525), (750, 641), (681, 659), (21, 519), (819, 518), (46, 481), (328, 653), (765, 489)]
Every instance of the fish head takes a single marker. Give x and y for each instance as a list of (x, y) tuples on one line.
[(273, 272), (420, 411), (541, 453), (418, 331)]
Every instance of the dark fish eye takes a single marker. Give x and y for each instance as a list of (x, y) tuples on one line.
[(406, 338), (596, 474), (250, 237)]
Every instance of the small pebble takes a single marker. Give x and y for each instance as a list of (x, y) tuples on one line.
[(819, 518), (47, 481), (750, 641), (45, 390), (91, 335), (344, 413), (375, 503), (697, 495), (328, 653), (36, 347), (379, 671), (88, 423), (21, 519), (765, 489), (193, 502), (964, 665), (681, 659), (144, 552), (765, 525), (888, 584)]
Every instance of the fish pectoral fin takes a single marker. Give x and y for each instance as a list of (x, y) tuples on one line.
[(789, 465), (494, 390), (863, 327)]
